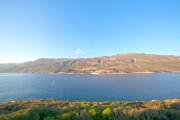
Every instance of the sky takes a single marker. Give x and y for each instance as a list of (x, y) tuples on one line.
[(32, 29)]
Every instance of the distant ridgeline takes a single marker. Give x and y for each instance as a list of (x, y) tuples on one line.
[(117, 64)]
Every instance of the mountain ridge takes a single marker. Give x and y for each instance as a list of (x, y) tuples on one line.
[(116, 64)]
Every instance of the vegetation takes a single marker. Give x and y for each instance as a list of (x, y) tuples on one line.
[(66, 110)]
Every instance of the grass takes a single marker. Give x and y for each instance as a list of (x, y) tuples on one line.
[(68, 110)]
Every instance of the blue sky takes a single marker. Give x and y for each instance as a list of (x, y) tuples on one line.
[(86, 28)]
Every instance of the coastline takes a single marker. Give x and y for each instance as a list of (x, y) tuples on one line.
[(120, 73), (74, 101), (93, 73)]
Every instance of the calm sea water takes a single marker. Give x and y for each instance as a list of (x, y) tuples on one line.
[(128, 87)]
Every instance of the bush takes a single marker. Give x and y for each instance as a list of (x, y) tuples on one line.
[(3, 118), (27, 116), (107, 112), (92, 112), (49, 118), (68, 116), (45, 112)]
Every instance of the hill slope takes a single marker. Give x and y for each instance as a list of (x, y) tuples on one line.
[(126, 63)]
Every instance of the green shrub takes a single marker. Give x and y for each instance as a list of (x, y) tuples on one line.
[(64, 110), (4, 118), (68, 116), (27, 116), (44, 112), (107, 112), (49, 118), (92, 112)]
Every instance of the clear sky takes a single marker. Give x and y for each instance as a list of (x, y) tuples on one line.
[(86, 28)]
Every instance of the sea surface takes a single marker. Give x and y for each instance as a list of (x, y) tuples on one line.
[(128, 87)]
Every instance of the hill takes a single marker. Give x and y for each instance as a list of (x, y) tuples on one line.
[(125, 63)]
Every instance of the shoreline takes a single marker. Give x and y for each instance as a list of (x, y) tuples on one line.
[(106, 101), (93, 73), (120, 73)]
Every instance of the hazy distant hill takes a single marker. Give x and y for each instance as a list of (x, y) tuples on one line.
[(126, 63)]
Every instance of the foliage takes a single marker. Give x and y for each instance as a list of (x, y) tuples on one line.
[(92, 112), (107, 112), (64, 110), (68, 116)]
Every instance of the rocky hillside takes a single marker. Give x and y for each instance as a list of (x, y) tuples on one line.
[(126, 63)]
